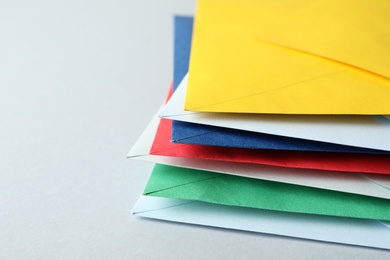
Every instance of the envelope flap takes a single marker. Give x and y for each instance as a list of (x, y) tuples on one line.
[(354, 32), (166, 178), (231, 71), (180, 183), (382, 181), (386, 223), (144, 204), (340, 230), (141, 147)]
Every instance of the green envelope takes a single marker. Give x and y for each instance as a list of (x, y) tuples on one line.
[(182, 183)]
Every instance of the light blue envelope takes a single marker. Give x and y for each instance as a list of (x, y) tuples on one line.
[(361, 232)]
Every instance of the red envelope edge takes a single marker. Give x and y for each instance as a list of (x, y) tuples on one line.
[(349, 162)]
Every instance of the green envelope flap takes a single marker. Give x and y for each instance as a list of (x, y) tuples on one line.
[(182, 183)]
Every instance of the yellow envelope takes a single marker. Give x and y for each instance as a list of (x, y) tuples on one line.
[(290, 57)]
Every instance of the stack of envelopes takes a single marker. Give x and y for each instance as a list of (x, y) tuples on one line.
[(279, 125)]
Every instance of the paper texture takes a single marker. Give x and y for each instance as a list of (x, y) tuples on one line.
[(327, 57), (359, 232)]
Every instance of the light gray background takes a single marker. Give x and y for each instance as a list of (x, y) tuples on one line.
[(79, 81)]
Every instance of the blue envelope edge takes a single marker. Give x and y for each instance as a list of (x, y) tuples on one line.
[(190, 133), (182, 47)]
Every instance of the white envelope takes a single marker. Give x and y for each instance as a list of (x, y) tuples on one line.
[(361, 131), (375, 185), (370, 233)]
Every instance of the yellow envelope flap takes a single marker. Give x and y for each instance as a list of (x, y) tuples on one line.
[(355, 32), (232, 71)]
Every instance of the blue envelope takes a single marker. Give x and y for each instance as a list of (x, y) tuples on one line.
[(190, 133)]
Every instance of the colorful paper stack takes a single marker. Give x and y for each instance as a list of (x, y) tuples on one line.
[(278, 127)]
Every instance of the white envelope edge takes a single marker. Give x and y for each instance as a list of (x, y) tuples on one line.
[(375, 185), (361, 232), (371, 132)]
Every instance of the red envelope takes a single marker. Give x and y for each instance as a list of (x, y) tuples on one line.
[(349, 162)]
